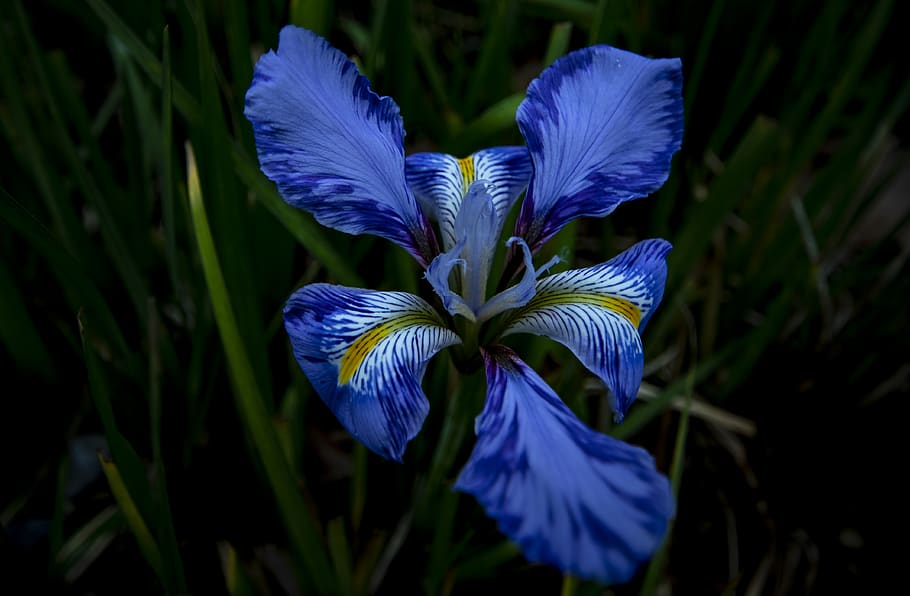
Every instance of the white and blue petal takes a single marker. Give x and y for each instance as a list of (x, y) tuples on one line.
[(441, 181), (591, 505), (365, 353), (333, 146), (601, 126), (599, 312)]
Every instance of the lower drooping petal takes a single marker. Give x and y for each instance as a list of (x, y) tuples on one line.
[(441, 181), (589, 504), (598, 313), (365, 353), (334, 147), (601, 126)]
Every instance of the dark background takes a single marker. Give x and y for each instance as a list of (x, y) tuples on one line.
[(784, 320)]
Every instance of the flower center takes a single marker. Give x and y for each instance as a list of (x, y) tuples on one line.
[(477, 227)]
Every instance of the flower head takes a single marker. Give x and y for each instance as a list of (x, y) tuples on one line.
[(601, 126)]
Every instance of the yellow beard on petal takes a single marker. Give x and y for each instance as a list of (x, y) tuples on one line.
[(466, 165), (620, 306), (363, 345)]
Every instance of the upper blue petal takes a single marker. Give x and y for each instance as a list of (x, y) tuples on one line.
[(591, 505), (601, 125), (334, 147), (365, 353)]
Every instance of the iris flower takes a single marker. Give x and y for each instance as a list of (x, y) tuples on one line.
[(601, 125)]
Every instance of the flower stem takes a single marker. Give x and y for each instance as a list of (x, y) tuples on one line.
[(467, 356)]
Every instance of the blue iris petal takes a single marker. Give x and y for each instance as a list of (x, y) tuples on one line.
[(365, 353), (591, 505), (441, 181), (508, 169), (477, 225), (438, 274), (334, 147), (599, 312), (601, 126)]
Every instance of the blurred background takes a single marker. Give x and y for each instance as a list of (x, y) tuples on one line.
[(140, 306)]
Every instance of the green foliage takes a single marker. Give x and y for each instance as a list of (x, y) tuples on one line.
[(142, 283)]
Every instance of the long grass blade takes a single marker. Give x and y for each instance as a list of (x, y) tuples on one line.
[(134, 519), (301, 529)]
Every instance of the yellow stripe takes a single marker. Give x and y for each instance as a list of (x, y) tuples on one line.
[(363, 345), (620, 306), (466, 165)]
